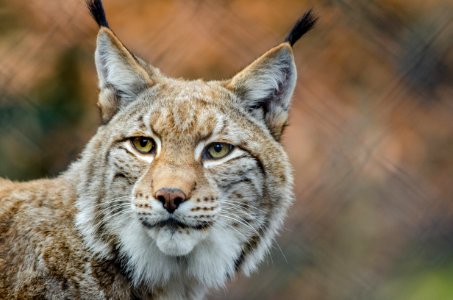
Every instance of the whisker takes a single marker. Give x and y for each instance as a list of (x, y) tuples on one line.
[(109, 209), (235, 229), (243, 213), (281, 251), (109, 203), (242, 204), (108, 218), (245, 223)]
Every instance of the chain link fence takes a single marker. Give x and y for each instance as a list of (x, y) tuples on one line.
[(370, 135)]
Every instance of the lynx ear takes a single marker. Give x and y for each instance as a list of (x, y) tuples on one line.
[(121, 76), (266, 86)]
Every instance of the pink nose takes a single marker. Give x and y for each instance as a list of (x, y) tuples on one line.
[(170, 198)]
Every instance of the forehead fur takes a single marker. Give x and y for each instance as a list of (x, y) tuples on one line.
[(174, 90), (173, 106)]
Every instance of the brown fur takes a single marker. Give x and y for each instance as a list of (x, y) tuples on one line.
[(41, 253)]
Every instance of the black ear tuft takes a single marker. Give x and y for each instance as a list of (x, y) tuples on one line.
[(302, 26), (97, 11)]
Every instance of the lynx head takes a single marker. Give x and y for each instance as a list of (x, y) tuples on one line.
[(186, 179)]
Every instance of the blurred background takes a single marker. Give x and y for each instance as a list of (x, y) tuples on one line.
[(370, 135)]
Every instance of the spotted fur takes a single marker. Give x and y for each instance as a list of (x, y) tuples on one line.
[(98, 231)]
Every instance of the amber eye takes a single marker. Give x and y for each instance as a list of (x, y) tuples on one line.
[(218, 150), (143, 145)]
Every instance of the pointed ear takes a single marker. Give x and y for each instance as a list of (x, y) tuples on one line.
[(266, 86), (121, 75)]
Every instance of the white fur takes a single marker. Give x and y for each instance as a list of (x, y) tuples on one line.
[(176, 243), (215, 162)]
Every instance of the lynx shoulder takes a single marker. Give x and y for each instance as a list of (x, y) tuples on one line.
[(184, 184)]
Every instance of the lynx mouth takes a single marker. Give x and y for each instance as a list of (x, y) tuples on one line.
[(176, 238), (173, 224)]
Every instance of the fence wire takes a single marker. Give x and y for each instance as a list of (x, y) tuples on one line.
[(370, 135)]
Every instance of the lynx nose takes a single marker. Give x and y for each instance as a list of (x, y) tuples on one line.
[(171, 198)]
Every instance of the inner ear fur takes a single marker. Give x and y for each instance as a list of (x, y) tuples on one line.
[(266, 86)]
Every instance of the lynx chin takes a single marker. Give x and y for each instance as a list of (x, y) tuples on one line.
[(184, 184)]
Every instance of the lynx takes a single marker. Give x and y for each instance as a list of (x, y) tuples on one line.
[(184, 184)]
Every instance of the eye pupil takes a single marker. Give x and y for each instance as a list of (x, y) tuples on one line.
[(218, 148), (143, 142)]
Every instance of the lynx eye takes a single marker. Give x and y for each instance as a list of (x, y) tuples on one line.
[(143, 145), (218, 150)]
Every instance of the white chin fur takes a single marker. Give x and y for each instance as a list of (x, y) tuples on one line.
[(177, 243)]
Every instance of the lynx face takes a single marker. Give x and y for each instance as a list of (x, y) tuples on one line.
[(185, 180), (200, 171)]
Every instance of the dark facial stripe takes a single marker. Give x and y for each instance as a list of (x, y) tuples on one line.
[(257, 159), (121, 176), (250, 246), (237, 158), (126, 150), (123, 173), (228, 185)]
